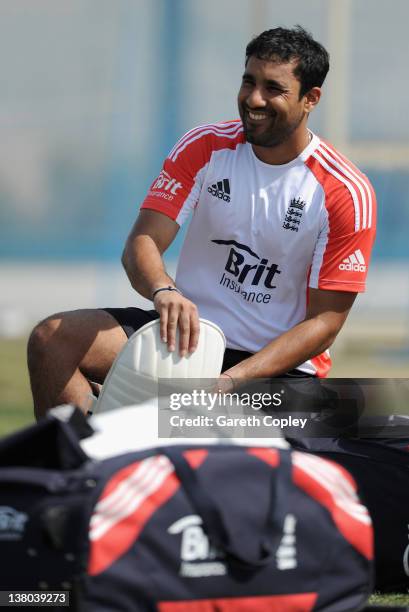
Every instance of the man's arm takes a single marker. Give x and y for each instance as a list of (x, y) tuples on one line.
[(326, 313), (150, 236)]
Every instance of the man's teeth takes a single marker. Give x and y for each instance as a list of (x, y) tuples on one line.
[(257, 116)]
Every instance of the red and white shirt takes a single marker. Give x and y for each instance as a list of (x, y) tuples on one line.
[(261, 234)]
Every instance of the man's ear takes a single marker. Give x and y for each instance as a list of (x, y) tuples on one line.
[(311, 99)]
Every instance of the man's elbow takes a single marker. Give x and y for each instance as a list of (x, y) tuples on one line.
[(330, 339), (127, 256), (124, 257), (327, 333)]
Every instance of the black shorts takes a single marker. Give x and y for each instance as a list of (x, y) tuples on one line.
[(131, 319)]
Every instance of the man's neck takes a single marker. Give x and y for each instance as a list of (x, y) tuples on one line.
[(285, 152)]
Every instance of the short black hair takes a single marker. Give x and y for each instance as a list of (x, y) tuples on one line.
[(296, 44)]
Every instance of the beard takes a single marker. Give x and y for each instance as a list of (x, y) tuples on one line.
[(271, 135)]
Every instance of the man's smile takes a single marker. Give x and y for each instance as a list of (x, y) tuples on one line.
[(257, 116)]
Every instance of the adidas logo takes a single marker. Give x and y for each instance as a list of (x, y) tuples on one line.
[(354, 262), (220, 190)]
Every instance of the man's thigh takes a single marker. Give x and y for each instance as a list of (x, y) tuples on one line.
[(105, 332), (131, 319), (89, 339)]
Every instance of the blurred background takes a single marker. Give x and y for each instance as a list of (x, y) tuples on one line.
[(94, 94)]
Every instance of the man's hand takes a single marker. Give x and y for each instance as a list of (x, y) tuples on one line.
[(176, 311), (225, 384)]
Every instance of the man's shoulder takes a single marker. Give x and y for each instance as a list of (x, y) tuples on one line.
[(335, 164), (208, 138), (346, 187)]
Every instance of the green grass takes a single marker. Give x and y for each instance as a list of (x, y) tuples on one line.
[(15, 397), (393, 599)]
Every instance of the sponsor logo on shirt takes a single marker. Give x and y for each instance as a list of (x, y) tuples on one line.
[(354, 262), (198, 556), (243, 265), (220, 190), (293, 215), (165, 187)]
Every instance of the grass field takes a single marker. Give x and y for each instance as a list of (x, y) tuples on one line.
[(15, 397), (394, 599), (16, 404)]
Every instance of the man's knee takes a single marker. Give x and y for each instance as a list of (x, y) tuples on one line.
[(67, 331), (41, 335), (74, 338)]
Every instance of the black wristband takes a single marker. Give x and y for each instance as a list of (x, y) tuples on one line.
[(169, 288)]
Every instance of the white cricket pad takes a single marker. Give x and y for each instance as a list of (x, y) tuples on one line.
[(133, 376)]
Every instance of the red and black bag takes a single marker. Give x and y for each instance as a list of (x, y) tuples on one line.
[(182, 529), (380, 468)]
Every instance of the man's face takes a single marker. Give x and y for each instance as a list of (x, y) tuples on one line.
[(269, 103)]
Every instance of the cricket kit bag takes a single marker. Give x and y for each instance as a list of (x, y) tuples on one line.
[(181, 528), (381, 471)]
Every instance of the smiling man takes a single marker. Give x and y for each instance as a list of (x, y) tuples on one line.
[(277, 249)]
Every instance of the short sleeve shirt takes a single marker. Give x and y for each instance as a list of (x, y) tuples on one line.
[(261, 234)]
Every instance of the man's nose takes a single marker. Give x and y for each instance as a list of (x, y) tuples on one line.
[(256, 99)]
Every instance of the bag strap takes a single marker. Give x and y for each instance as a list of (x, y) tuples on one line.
[(213, 522)]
